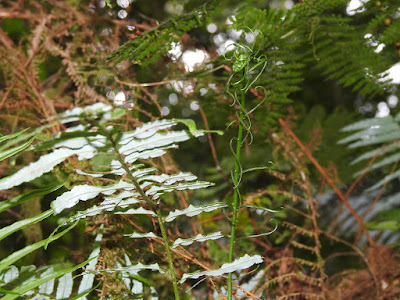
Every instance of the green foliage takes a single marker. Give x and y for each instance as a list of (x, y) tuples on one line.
[(5, 269), (112, 175), (388, 219), (45, 283), (384, 23), (154, 43), (141, 195), (383, 135), (380, 138), (314, 36)]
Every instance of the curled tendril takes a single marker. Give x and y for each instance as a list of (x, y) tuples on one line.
[(260, 168), (262, 234), (247, 62), (261, 102), (226, 215), (238, 163)]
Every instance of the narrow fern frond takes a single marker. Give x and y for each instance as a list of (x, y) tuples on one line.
[(192, 210), (12, 258), (241, 263), (198, 238)]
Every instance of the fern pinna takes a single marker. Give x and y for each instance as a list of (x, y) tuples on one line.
[(136, 189), (381, 136)]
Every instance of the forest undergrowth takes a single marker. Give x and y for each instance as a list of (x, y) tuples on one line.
[(125, 175)]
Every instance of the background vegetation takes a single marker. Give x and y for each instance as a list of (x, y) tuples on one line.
[(320, 144)]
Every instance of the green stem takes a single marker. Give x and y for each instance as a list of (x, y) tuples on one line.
[(236, 191), (169, 256), (126, 167)]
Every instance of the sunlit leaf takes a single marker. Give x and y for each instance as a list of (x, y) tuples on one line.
[(136, 268), (47, 287), (88, 277), (146, 130), (137, 235), (65, 285), (197, 238), (84, 193), (36, 169), (244, 262), (191, 210)]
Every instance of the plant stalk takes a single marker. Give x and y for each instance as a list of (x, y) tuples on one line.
[(126, 168), (169, 256), (236, 190)]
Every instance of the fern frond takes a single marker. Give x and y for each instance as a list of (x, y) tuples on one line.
[(383, 135), (375, 131), (154, 43), (192, 210), (9, 273), (241, 263), (298, 229), (302, 246), (198, 238)]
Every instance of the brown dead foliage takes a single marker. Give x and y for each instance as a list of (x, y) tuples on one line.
[(380, 281)]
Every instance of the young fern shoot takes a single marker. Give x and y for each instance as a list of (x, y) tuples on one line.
[(248, 66)]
